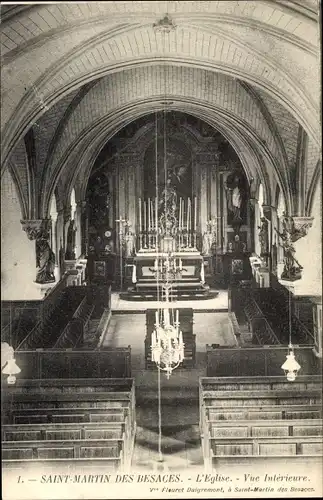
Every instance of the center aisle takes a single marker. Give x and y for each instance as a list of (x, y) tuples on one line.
[(181, 444)]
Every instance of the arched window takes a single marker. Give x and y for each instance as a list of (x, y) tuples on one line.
[(73, 204), (281, 207), (261, 200), (53, 236)]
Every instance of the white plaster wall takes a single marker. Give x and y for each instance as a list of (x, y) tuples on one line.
[(309, 252), (18, 266)]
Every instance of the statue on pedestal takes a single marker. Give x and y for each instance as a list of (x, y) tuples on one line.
[(292, 269), (263, 237), (168, 199), (70, 245), (45, 261), (129, 241)]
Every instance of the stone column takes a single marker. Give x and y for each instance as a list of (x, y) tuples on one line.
[(84, 227), (38, 230), (205, 162), (60, 241), (127, 167), (78, 227)]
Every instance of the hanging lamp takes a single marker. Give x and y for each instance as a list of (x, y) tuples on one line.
[(8, 363)]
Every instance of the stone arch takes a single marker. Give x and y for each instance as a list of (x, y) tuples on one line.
[(100, 133)]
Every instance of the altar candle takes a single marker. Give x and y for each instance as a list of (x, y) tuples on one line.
[(195, 213), (140, 221), (177, 316), (156, 318), (145, 216), (155, 265), (149, 215), (156, 213), (189, 214), (180, 264), (180, 213)]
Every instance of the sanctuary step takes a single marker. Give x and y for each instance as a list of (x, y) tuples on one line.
[(183, 291)]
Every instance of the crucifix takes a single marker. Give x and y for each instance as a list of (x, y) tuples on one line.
[(122, 222)]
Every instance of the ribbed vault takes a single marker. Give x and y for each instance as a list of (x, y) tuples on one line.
[(52, 50), (255, 157), (123, 90)]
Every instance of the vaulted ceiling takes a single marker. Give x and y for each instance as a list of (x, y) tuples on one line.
[(76, 73)]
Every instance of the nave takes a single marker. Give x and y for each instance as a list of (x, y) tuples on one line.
[(161, 236)]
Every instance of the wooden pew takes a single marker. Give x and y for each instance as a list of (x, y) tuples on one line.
[(37, 432), (261, 428), (225, 463), (56, 449), (249, 417), (76, 466), (273, 445), (260, 398), (304, 382), (40, 415), (106, 403), (253, 448), (288, 412)]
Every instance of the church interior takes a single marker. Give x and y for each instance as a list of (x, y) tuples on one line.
[(161, 236)]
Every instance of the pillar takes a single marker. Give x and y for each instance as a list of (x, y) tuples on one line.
[(128, 190), (78, 227)]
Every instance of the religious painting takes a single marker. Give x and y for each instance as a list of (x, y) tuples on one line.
[(237, 266), (99, 199), (99, 268), (237, 243), (173, 167), (237, 198)]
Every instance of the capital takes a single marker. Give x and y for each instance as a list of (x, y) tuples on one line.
[(67, 214), (36, 228), (301, 227), (267, 211)]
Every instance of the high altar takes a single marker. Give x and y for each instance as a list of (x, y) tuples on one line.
[(179, 166)]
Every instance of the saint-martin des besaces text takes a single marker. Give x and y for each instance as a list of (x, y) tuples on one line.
[(198, 483)]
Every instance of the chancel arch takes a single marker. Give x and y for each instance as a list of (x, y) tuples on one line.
[(161, 219)]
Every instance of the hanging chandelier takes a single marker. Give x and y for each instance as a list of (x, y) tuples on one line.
[(167, 346), (291, 367)]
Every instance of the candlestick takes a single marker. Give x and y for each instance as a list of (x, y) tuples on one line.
[(140, 221), (153, 218), (187, 217), (149, 215), (145, 217), (182, 222), (195, 212)]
